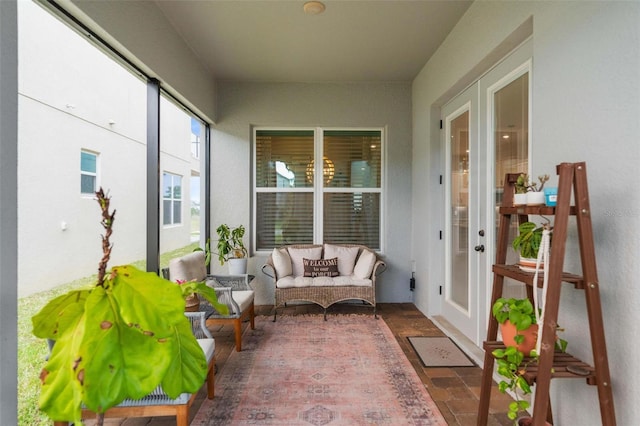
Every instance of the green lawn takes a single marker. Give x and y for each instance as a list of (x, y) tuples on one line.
[(32, 351)]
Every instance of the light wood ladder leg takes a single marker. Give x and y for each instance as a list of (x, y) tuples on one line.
[(237, 326)]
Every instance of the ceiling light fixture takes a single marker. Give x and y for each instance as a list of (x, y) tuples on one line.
[(313, 7)]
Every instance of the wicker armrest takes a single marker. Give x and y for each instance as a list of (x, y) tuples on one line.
[(198, 325), (378, 268), (225, 296), (235, 282), (268, 268)]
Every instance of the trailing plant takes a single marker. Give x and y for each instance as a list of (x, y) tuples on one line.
[(230, 243), (528, 240), (511, 363), (519, 312), (117, 339)]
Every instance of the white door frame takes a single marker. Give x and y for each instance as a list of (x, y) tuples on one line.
[(517, 63)]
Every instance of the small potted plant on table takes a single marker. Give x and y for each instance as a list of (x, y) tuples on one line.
[(231, 249), (527, 244)]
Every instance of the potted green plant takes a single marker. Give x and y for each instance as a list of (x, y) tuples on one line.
[(207, 252), (519, 329), (527, 243), (521, 189), (118, 339), (231, 249), (535, 195)]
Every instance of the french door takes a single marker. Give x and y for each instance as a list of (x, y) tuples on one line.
[(486, 134)]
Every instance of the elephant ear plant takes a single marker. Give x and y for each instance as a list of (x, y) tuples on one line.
[(118, 339)]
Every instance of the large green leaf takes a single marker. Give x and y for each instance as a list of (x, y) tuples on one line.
[(118, 360), (61, 393), (146, 301), (59, 314), (188, 367)]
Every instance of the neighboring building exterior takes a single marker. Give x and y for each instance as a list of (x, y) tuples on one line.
[(82, 118)]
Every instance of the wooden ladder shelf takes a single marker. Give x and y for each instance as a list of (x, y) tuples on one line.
[(551, 363)]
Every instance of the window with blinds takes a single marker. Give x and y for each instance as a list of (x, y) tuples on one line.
[(297, 202)]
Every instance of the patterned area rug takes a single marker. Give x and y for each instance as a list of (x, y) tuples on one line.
[(302, 370)]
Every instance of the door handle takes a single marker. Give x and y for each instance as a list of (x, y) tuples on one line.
[(479, 248)]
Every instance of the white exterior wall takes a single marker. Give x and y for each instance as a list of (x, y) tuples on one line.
[(69, 92), (243, 105), (585, 107), (176, 158)]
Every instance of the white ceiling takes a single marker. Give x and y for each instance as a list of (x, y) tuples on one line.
[(275, 41)]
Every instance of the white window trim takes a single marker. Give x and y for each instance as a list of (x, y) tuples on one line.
[(172, 199), (318, 195), (85, 173)]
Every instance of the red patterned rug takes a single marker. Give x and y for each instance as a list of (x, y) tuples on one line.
[(302, 370)]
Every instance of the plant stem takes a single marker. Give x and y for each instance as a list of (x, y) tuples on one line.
[(107, 224)]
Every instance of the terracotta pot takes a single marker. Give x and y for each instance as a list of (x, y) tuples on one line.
[(528, 264), (192, 303), (508, 331), (528, 421)]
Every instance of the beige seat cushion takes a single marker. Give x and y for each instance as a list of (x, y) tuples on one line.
[(298, 254), (281, 262), (208, 347), (346, 257), (243, 298), (364, 265), (188, 268)]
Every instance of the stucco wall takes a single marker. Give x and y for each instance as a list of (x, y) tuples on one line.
[(585, 107), (72, 96), (242, 105)]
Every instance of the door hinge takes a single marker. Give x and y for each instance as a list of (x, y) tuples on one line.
[(440, 291), (440, 124), (440, 179), (440, 234)]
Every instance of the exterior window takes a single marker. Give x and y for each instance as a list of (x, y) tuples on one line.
[(171, 199), (88, 172), (196, 132), (297, 202)]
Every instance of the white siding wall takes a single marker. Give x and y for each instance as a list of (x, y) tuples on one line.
[(586, 104), (69, 92), (242, 105)]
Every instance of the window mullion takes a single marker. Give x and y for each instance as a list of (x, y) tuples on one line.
[(318, 187)]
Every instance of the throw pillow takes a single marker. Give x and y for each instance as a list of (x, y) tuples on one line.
[(297, 254), (281, 262), (321, 267), (346, 257), (364, 265), (189, 267)]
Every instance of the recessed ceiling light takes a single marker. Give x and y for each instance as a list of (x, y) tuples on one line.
[(313, 7)]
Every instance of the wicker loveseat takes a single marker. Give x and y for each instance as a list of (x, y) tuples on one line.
[(323, 274)]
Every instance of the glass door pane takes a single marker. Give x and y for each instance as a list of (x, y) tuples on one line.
[(459, 137), (511, 138)]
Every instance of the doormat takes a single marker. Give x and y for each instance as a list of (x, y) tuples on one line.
[(439, 352)]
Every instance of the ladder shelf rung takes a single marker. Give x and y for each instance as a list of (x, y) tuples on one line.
[(562, 363), (533, 210), (514, 272)]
